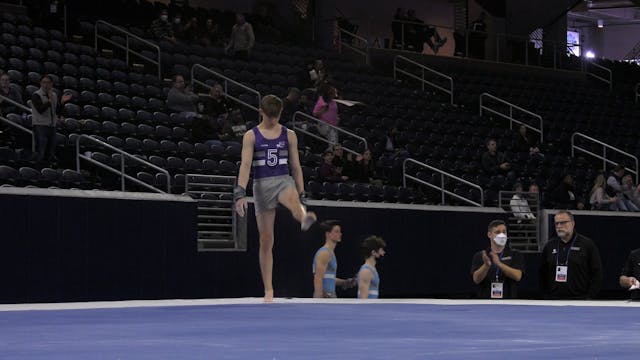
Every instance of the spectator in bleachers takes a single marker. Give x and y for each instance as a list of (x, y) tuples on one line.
[(318, 75), (326, 109), (526, 144), (210, 36), (494, 163), (242, 39), (216, 104), (161, 29), (633, 191), (10, 92), (564, 196), (291, 104), (178, 26), (46, 109), (191, 31), (599, 199), (339, 159), (520, 205), (615, 188), (364, 169), (181, 98), (328, 172), (391, 139)]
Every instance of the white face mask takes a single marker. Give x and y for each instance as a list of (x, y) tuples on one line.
[(500, 239), (164, 17)]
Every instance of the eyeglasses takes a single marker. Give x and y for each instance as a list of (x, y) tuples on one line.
[(562, 222)]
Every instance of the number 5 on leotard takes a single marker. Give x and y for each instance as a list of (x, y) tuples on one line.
[(272, 157)]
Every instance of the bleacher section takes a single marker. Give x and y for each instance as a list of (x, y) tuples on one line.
[(124, 106)]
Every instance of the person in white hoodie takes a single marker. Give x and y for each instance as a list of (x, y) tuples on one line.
[(520, 205)]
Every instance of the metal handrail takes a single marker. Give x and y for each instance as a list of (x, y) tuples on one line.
[(421, 78), (602, 157), (227, 80), (21, 128), (15, 103), (318, 121), (585, 68), (123, 154), (362, 40), (18, 126), (442, 173), (510, 116), (128, 35)]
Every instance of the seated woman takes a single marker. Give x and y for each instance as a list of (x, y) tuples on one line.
[(598, 197)]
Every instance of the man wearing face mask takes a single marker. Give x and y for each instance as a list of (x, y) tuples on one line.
[(497, 269), (571, 268), (162, 29), (368, 279), (178, 27)]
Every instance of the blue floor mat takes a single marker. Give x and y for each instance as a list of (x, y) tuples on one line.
[(323, 331)]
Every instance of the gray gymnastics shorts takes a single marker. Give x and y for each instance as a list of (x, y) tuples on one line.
[(266, 191)]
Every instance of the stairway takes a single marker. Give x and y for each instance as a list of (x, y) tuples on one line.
[(219, 227), (523, 221)]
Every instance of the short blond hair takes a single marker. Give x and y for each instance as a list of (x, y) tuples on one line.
[(271, 106)]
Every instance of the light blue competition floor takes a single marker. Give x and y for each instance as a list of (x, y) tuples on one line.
[(322, 329)]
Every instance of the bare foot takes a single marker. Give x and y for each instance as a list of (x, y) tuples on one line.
[(268, 296), (308, 220)]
